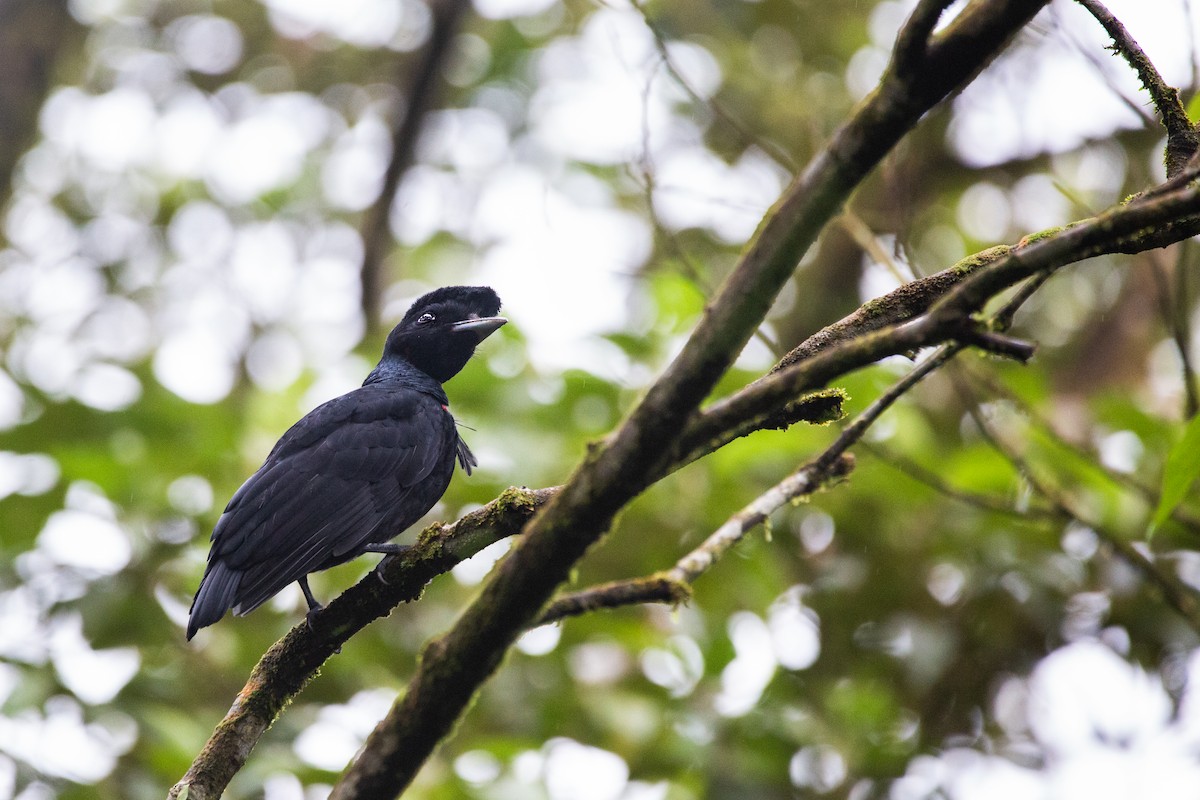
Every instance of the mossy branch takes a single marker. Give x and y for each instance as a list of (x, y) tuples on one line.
[(453, 667), (667, 430), (673, 585), (855, 341), (1182, 139), (291, 662)]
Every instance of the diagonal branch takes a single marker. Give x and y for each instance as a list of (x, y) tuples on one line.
[(1182, 138), (295, 659), (453, 667), (743, 133), (1179, 596), (1142, 224), (770, 402), (674, 585), (422, 96), (37, 38)]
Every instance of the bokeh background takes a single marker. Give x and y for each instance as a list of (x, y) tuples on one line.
[(185, 184)]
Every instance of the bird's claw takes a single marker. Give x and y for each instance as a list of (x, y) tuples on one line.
[(313, 610), (309, 618)]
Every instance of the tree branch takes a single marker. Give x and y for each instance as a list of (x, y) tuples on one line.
[(835, 462), (951, 297), (453, 667), (287, 667), (673, 585), (293, 661), (1182, 138), (900, 305), (422, 97), (912, 42), (661, 587), (1177, 595), (33, 36)]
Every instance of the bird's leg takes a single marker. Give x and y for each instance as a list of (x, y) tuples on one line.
[(313, 605), (389, 549)]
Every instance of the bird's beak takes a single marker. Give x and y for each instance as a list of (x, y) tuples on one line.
[(482, 327)]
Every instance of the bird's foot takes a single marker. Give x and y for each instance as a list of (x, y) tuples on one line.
[(313, 610), (380, 568), (314, 607), (390, 550)]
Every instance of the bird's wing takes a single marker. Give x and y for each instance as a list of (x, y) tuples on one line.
[(357, 470)]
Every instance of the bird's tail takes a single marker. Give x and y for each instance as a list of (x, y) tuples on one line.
[(217, 589)]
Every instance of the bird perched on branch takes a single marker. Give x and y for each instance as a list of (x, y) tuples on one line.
[(357, 470)]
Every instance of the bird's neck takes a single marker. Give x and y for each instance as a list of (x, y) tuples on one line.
[(396, 372)]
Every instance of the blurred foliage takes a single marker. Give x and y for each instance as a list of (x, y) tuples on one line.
[(875, 624)]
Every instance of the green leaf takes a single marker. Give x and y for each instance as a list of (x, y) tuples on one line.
[(1182, 467)]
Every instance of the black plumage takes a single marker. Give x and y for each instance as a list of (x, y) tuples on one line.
[(357, 470)]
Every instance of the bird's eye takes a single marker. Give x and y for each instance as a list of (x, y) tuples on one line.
[(425, 319)]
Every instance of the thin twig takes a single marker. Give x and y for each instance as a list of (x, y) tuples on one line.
[(1183, 324), (865, 238), (1182, 139), (1140, 224), (808, 478), (1177, 595), (673, 585), (1102, 66), (934, 481), (658, 588), (1003, 320), (1183, 328), (749, 137), (1129, 481), (422, 96), (1173, 311)]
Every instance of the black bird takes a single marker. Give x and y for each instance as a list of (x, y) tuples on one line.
[(357, 470)]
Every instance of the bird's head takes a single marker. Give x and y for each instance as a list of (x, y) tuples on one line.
[(439, 332)]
